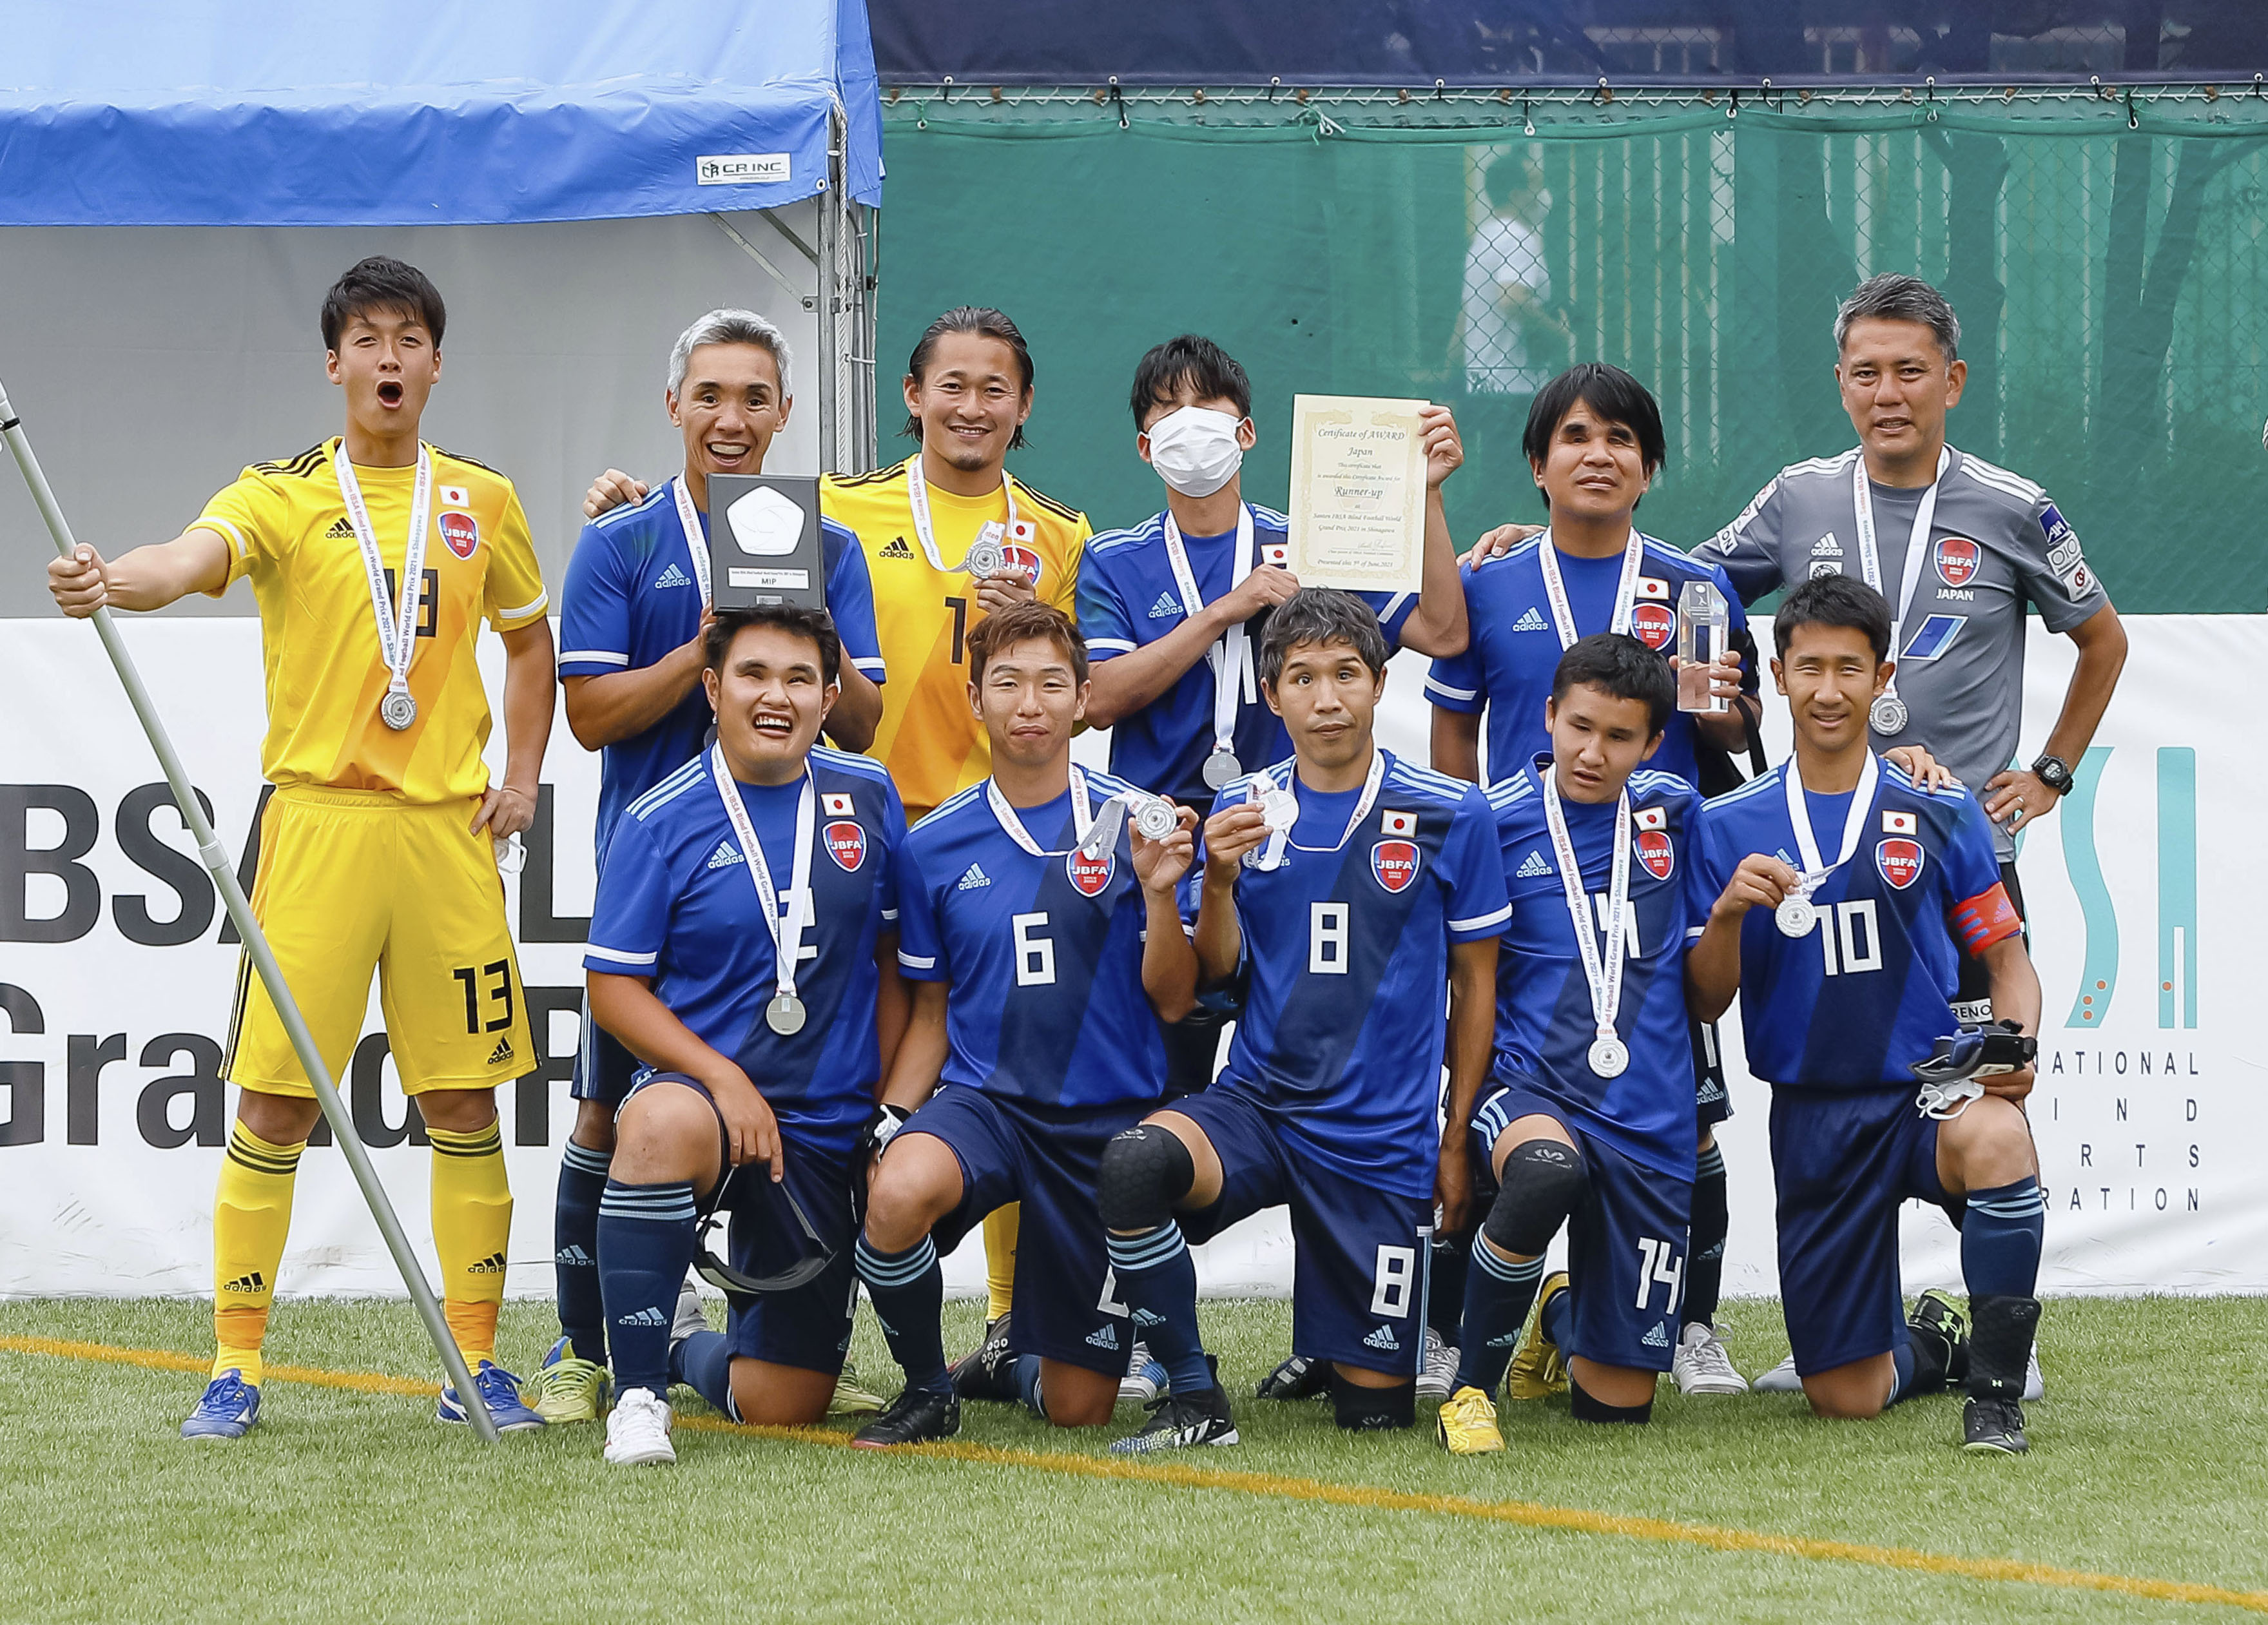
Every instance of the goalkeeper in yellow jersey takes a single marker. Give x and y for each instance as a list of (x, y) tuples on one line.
[(374, 558)]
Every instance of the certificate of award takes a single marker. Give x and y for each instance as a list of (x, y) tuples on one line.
[(1358, 493)]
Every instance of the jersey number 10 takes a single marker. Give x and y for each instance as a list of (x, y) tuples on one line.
[(1851, 926)]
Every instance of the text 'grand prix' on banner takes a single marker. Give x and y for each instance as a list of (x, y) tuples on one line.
[(117, 967)]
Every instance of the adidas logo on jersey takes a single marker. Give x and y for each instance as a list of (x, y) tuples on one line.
[(1531, 866), (254, 1282), (672, 577), (501, 1053), (1827, 547), (1528, 621), (1659, 1338), (1510, 1340), (1148, 1318), (726, 856), (1382, 1338), (492, 1264), (1167, 607), (339, 531), (1106, 1338), (972, 878), (573, 1256), (897, 548), (648, 1316)]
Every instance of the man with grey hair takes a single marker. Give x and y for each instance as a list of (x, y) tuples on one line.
[(635, 606)]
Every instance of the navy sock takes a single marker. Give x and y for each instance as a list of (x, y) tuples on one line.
[(1901, 1359), (1498, 1294), (1445, 1302), (1555, 1318), (908, 1291), (2001, 1239), (1705, 1273), (575, 1250), (703, 1362), (1027, 1384), (645, 1246), (1157, 1280)]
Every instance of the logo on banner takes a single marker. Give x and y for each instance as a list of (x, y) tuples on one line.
[(1654, 625), (1957, 560), (740, 169), (1395, 863), (846, 844), (462, 532), (1653, 849), (1089, 874), (1023, 559), (1900, 861)]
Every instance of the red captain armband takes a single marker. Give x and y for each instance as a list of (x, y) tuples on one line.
[(1985, 919)]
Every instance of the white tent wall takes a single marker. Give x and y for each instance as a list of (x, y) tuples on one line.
[(152, 364)]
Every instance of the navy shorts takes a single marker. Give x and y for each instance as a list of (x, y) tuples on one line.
[(1625, 1243), (1362, 1256), (1045, 1157), (1713, 1101), (1842, 1162), (809, 1327), (605, 1071)]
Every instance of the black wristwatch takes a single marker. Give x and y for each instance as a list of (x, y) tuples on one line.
[(2055, 772)]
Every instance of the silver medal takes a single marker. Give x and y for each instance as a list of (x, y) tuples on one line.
[(1795, 916), (785, 1015), (398, 710), (1156, 820), (1887, 715), (1279, 809), (1222, 768), (985, 557), (1610, 1057)]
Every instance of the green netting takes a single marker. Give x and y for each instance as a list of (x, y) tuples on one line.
[(2105, 257)]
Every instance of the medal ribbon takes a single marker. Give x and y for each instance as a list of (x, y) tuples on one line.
[(785, 925), (1231, 654), (1082, 818), (1602, 971), (1563, 613), (1854, 823), (917, 499), (397, 636), (1870, 559), (1277, 839), (688, 520)]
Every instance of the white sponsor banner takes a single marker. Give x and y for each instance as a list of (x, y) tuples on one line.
[(114, 984)]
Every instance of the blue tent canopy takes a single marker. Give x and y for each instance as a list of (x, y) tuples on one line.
[(422, 112)]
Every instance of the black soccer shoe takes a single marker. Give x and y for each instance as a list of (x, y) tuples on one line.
[(915, 1417), (1939, 1333), (987, 1371), (1993, 1428), (1178, 1421), (1299, 1377)]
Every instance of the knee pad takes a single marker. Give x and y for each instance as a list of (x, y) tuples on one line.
[(1583, 1407), (1365, 1410), (1145, 1170), (1543, 1182)]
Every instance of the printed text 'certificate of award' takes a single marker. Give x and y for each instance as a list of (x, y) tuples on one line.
[(1357, 493)]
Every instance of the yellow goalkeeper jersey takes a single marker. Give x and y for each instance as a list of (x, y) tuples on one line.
[(929, 740), (286, 527)]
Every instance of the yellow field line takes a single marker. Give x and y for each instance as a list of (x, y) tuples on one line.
[(1186, 1475)]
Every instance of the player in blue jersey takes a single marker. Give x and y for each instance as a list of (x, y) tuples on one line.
[(1347, 889), (1594, 444), (1588, 1112), (744, 926), (1846, 900), (635, 611), (1042, 936)]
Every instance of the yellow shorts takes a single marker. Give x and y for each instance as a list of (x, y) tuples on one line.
[(349, 879)]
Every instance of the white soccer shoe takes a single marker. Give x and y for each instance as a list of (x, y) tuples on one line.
[(2036, 1387), (691, 1316), (1438, 1375), (1145, 1376), (1700, 1365), (1780, 1379), (638, 1431)]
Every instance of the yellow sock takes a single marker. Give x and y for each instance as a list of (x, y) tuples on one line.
[(252, 1214), (1000, 1259), (472, 1225)]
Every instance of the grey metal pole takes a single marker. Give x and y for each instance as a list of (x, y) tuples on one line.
[(217, 862)]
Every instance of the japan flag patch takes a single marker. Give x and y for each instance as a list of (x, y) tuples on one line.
[(1898, 824), (1277, 553), (1652, 818), (456, 497), (1395, 863), (1398, 823), (846, 843), (837, 804), (1901, 862), (1653, 587)]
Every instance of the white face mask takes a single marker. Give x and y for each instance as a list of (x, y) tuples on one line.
[(1194, 450)]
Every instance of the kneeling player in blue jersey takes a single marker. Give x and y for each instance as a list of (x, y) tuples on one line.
[(744, 923), (1588, 1117), (1043, 952), (1847, 959), (1347, 887)]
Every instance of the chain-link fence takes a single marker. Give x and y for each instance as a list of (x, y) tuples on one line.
[(2105, 258)]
